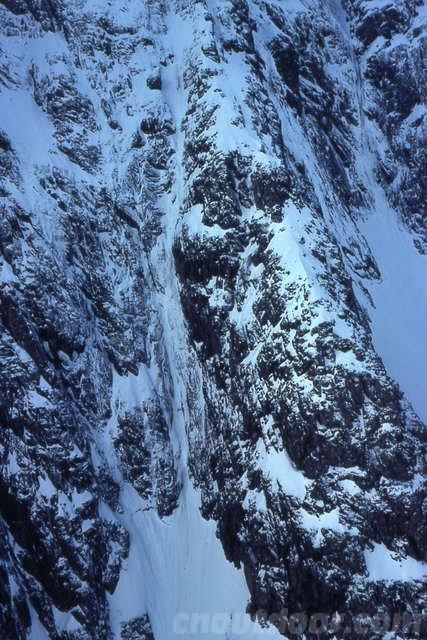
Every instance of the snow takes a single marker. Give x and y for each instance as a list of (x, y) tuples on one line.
[(46, 487), (24, 122), (38, 632), (285, 243), (79, 499), (65, 621), (176, 566), (255, 499), (279, 467), (399, 318), (26, 125), (38, 401), (382, 566), (193, 220), (350, 486), (399, 314), (131, 390), (6, 273), (329, 520), (12, 463)]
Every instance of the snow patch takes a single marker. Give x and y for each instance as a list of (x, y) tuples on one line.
[(279, 467), (382, 566), (399, 318)]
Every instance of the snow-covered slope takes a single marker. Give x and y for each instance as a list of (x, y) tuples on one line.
[(212, 355)]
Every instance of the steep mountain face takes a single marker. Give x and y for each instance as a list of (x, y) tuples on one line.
[(213, 262)]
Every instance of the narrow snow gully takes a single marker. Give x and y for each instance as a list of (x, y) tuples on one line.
[(176, 565)]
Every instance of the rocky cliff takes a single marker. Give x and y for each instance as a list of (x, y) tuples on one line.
[(212, 303)]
